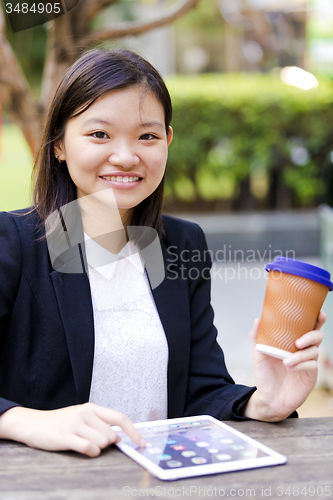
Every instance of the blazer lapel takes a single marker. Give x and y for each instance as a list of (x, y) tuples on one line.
[(75, 305), (171, 299)]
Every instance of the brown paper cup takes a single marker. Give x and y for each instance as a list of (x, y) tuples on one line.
[(291, 307)]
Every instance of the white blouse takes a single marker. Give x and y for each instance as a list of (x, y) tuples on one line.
[(131, 351)]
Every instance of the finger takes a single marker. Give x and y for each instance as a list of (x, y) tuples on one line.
[(310, 365), (309, 354), (102, 427), (320, 320), (93, 435), (313, 338), (82, 445), (113, 417)]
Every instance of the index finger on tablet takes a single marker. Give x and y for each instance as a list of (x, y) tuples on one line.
[(114, 417)]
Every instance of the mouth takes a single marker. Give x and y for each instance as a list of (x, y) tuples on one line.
[(125, 179)]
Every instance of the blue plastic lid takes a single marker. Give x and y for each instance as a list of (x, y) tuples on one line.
[(299, 268)]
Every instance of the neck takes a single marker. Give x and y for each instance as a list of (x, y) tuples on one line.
[(104, 222)]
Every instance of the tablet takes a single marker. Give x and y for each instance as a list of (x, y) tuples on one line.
[(195, 446)]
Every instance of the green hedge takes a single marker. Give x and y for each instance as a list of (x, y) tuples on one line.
[(247, 140)]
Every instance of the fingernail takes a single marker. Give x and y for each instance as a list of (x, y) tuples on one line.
[(288, 362), (142, 443)]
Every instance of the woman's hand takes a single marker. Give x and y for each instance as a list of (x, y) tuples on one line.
[(84, 428), (282, 386)]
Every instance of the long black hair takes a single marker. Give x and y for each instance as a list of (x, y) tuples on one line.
[(94, 73)]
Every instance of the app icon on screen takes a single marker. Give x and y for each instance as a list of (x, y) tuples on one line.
[(174, 463), (213, 450), (165, 456), (196, 423), (178, 447), (217, 435), (173, 425), (170, 441), (199, 460), (193, 438), (150, 429), (222, 456), (202, 444), (188, 453), (154, 451), (226, 441)]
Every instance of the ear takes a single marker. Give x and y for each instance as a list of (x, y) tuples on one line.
[(170, 136), (59, 150)]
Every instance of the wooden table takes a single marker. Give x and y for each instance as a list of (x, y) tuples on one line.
[(308, 443)]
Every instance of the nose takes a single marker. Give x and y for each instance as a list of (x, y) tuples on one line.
[(123, 155)]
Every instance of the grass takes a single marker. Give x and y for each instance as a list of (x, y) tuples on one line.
[(15, 169)]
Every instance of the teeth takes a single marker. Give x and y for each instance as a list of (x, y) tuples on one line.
[(120, 178)]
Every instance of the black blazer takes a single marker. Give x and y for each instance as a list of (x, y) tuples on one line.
[(47, 330)]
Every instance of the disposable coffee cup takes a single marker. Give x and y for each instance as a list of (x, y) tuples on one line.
[(294, 296)]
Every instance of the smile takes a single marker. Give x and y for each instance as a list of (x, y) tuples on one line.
[(120, 178)]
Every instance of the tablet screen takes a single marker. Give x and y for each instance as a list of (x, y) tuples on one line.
[(193, 443)]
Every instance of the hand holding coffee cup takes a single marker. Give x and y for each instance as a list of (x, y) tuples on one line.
[(294, 296)]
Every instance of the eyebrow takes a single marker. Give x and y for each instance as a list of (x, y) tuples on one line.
[(97, 120), (106, 122), (151, 124)]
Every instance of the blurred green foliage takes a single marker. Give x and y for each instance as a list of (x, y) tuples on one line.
[(240, 141), (250, 136), (15, 169), (205, 18)]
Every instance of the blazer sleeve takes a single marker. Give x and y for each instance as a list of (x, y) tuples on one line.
[(211, 389), (10, 276)]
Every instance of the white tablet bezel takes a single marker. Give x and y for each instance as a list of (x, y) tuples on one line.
[(274, 457)]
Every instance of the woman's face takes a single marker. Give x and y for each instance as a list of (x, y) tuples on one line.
[(119, 142)]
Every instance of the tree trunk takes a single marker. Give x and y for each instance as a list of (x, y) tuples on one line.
[(17, 96), (69, 35), (61, 53)]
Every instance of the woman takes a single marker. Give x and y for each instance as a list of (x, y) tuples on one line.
[(86, 342)]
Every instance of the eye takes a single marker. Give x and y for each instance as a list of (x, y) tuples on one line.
[(100, 135), (148, 137)]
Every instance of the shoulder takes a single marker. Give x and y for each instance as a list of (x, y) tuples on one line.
[(24, 225), (23, 218), (176, 225), (22, 237), (183, 232)]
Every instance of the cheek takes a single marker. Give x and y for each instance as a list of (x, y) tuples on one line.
[(84, 156), (157, 164), (92, 156), (83, 168)]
